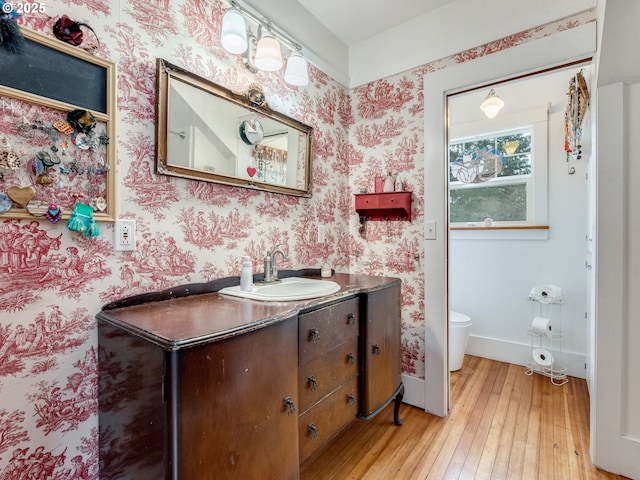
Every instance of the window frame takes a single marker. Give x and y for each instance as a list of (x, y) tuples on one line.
[(535, 120)]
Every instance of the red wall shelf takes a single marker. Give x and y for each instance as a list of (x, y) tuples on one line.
[(384, 206)]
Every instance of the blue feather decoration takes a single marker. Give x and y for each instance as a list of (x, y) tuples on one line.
[(10, 35)]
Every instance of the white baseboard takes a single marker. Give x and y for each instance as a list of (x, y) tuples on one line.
[(413, 391), (519, 354)]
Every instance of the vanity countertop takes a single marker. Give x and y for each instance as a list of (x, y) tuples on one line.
[(190, 319)]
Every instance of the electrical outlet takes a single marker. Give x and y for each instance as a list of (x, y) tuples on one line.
[(124, 233), (321, 234)]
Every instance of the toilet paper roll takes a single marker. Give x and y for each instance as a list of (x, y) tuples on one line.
[(542, 357), (546, 294), (541, 325)]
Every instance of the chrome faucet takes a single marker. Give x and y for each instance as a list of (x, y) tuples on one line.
[(274, 265), (271, 266)]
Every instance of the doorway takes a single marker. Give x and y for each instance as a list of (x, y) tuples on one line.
[(558, 49), (501, 244)]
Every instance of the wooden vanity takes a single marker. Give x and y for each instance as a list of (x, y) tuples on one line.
[(198, 385)]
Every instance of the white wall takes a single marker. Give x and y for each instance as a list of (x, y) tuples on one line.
[(490, 279), (615, 434)]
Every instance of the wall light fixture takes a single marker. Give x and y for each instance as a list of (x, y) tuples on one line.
[(492, 104), (262, 51)]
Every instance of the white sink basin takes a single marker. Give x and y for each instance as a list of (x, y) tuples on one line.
[(291, 288)]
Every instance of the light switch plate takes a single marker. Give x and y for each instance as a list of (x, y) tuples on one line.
[(430, 230)]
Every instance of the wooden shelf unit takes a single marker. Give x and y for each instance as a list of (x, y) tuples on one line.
[(384, 206)]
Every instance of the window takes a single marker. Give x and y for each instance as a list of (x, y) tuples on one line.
[(499, 174), (494, 185)]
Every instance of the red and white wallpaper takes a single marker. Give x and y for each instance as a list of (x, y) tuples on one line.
[(53, 281)]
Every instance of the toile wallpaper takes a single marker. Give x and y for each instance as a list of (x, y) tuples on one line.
[(53, 281)]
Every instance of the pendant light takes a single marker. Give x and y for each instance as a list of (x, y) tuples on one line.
[(492, 104)]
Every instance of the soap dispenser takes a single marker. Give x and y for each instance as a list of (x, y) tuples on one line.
[(389, 184), (246, 277), (399, 187)]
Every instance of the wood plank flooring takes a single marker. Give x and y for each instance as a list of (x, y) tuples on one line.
[(502, 424)]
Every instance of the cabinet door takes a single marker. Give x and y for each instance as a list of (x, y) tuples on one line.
[(381, 357), (233, 407), (132, 414)]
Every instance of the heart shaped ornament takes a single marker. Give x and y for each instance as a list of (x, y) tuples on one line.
[(37, 208), (54, 214), (98, 203), (21, 196), (251, 171)]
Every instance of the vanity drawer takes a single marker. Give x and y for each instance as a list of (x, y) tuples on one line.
[(321, 376), (327, 418), (323, 329)]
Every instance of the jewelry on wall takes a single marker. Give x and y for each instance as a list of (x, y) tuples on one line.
[(48, 162), (272, 164), (577, 104)]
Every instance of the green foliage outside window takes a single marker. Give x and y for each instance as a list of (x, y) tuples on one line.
[(505, 203)]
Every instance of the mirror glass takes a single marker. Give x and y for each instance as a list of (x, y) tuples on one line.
[(207, 132)]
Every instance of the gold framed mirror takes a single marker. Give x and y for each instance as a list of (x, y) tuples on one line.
[(210, 133)]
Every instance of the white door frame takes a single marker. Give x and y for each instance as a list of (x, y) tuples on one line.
[(564, 47), (614, 446)]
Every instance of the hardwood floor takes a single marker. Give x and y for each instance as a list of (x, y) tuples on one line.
[(502, 424)]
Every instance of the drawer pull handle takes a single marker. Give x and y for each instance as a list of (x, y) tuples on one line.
[(312, 382), (351, 319), (376, 350), (313, 430), (314, 335), (351, 359), (289, 406), (351, 399)]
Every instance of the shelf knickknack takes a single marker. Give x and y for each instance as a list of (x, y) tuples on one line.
[(57, 130)]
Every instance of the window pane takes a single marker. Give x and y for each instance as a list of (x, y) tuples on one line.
[(505, 203), (514, 148), (519, 164)]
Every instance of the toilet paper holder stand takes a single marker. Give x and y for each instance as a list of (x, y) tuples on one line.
[(546, 335)]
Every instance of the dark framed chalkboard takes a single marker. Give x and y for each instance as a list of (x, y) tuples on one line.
[(51, 73), (39, 85)]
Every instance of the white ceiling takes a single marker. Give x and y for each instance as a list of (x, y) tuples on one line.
[(353, 21), (360, 41)]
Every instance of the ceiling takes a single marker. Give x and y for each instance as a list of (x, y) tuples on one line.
[(356, 20), (359, 41)]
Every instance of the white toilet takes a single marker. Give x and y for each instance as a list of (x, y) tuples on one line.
[(459, 327)]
